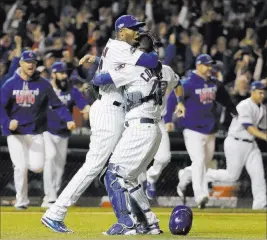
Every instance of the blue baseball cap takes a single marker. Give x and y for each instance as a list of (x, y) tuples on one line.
[(205, 59), (28, 56), (256, 85), (59, 67), (127, 21)]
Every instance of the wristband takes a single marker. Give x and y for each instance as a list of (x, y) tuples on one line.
[(180, 99)]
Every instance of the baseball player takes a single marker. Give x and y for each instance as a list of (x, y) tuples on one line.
[(163, 155), (56, 138), (138, 145), (241, 149), (199, 123), (25, 98), (106, 118)]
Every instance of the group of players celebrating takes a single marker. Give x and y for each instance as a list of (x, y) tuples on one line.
[(127, 129)]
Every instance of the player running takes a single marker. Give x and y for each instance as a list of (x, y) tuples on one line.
[(25, 99), (201, 91), (57, 136), (169, 80), (106, 118), (241, 149)]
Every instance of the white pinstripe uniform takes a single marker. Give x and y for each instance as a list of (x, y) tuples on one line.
[(163, 155), (106, 119), (241, 150), (140, 140)]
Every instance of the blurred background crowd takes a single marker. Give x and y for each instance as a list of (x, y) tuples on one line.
[(233, 32)]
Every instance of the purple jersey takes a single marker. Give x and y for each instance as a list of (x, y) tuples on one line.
[(27, 102), (69, 98)]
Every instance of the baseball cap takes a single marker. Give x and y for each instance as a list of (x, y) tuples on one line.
[(127, 21), (28, 56), (204, 59), (256, 85), (59, 67)]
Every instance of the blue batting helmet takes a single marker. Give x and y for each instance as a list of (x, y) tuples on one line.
[(181, 220)]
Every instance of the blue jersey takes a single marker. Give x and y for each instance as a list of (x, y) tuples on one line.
[(27, 102), (69, 98), (200, 104)]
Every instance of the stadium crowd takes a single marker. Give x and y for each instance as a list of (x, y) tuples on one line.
[(234, 33)]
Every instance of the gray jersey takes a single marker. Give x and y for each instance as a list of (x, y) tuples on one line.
[(115, 53), (169, 80), (248, 113), (138, 79)]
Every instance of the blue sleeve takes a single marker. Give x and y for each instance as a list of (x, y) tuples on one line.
[(171, 104), (5, 95), (11, 70), (170, 54), (78, 98), (57, 105), (102, 79), (91, 71), (246, 125), (148, 60), (187, 88)]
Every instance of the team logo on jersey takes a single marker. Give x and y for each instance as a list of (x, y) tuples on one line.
[(121, 66), (206, 94), (65, 98), (25, 97)]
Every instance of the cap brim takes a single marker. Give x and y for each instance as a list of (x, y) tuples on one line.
[(137, 25), (29, 60)]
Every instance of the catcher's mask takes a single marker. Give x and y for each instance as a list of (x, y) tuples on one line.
[(147, 41)]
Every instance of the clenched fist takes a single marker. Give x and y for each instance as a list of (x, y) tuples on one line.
[(71, 125), (13, 125), (87, 58)]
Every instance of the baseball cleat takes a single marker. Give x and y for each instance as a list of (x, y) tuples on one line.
[(203, 202), (56, 226), (151, 190), (23, 207), (120, 229), (46, 204), (150, 230)]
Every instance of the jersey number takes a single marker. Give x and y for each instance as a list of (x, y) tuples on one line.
[(104, 53)]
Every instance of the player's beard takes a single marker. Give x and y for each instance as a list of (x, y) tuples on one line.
[(62, 84)]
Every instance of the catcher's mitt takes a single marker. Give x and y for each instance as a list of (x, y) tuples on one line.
[(147, 41)]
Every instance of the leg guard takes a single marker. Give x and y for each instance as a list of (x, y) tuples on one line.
[(119, 198)]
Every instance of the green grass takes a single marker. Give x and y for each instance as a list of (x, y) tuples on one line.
[(89, 223)]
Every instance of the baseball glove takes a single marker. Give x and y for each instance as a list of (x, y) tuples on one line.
[(147, 41)]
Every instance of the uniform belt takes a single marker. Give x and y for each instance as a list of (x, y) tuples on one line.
[(142, 120), (243, 140), (115, 103)]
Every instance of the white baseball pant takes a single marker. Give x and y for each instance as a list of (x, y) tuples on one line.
[(56, 148), (107, 125), (239, 154), (132, 155), (26, 153), (200, 148), (162, 157)]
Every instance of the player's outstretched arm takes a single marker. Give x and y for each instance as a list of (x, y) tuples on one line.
[(57, 105), (257, 133), (170, 105), (180, 107)]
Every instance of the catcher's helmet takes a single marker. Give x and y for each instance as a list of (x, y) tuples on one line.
[(181, 220)]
